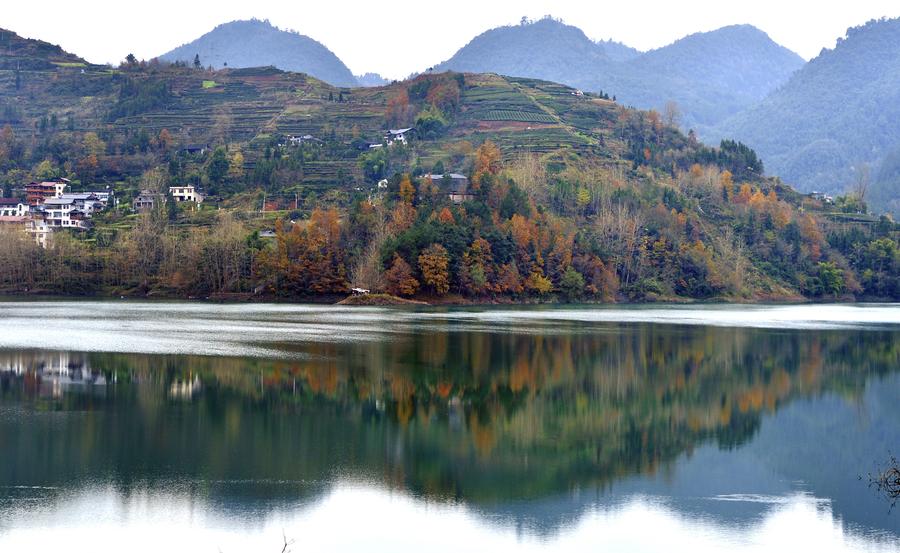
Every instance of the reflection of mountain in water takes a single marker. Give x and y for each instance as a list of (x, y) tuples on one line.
[(524, 428)]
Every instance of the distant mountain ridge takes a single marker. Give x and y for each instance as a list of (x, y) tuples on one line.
[(618, 51), (838, 112), (371, 79), (710, 75), (545, 49), (255, 43)]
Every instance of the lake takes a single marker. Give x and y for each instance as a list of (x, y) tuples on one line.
[(166, 426)]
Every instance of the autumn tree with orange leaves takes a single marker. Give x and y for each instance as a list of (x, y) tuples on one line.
[(434, 262)]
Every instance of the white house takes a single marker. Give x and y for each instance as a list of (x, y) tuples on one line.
[(11, 207), (298, 140), (392, 136), (185, 194), (40, 231), (65, 213)]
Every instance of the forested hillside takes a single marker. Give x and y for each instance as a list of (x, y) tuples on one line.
[(566, 196), (835, 121), (256, 43), (711, 76)]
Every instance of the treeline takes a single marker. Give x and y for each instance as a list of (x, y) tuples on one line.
[(152, 257), (585, 234)]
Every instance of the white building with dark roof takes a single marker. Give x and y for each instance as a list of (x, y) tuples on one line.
[(12, 207)]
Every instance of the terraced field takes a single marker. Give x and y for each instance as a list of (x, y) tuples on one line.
[(524, 116)]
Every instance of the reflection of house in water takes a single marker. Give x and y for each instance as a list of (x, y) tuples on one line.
[(185, 389), (54, 373)]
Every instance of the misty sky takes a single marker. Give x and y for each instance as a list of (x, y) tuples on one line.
[(398, 37)]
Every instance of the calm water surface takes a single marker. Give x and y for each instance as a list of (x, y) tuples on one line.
[(195, 427)]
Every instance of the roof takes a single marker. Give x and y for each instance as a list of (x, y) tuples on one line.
[(10, 201), (400, 131), (459, 184), (59, 201), (80, 196), (46, 183), (454, 176)]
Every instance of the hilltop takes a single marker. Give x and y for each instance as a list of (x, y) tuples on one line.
[(549, 194), (834, 115), (256, 43), (709, 75), (28, 54)]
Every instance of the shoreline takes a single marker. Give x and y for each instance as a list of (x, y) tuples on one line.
[(384, 300)]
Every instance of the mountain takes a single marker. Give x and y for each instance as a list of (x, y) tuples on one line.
[(28, 54), (371, 79), (617, 51), (838, 112), (544, 49), (256, 43), (711, 76), (570, 196)]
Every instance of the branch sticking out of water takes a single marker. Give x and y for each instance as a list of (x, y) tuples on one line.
[(886, 481)]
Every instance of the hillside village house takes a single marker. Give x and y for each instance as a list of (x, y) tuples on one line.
[(193, 149), (37, 192), (48, 207), (454, 185), (298, 140), (392, 136), (11, 207), (185, 194), (39, 230), (64, 213), (147, 200)]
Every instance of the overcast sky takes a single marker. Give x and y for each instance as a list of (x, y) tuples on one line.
[(398, 37)]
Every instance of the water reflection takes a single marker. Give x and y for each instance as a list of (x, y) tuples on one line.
[(711, 435)]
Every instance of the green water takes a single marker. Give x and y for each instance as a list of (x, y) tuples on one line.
[(399, 430)]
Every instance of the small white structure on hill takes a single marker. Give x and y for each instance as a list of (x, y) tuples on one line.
[(185, 193), (392, 136)]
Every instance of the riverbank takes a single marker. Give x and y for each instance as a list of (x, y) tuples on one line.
[(450, 300)]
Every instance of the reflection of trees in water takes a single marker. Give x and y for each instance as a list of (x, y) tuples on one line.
[(476, 415)]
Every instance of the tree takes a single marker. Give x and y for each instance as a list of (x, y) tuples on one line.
[(45, 170), (538, 283), (407, 190), (478, 268), (218, 165), (434, 263), (397, 112), (508, 279), (164, 140), (92, 144), (571, 284), (487, 162), (672, 114), (399, 279), (197, 64), (236, 166)]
